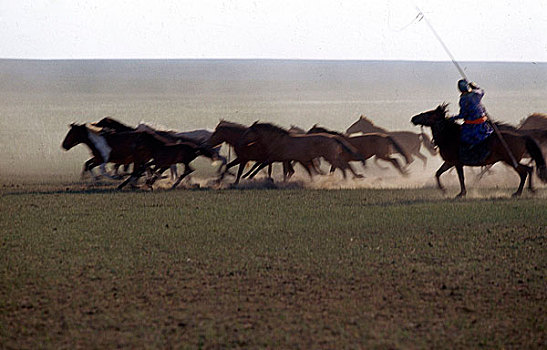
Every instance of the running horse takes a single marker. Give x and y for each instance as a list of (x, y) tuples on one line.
[(283, 146), (409, 140), (108, 124), (198, 138), (368, 145), (116, 147), (167, 155), (232, 134), (446, 134)]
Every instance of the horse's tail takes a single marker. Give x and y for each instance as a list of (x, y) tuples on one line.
[(535, 152), (348, 148), (428, 144), (399, 149)]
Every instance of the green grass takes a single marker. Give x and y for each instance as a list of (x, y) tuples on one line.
[(271, 268)]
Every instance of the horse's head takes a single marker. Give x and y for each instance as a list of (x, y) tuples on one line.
[(76, 135), (226, 131), (431, 117), (363, 124)]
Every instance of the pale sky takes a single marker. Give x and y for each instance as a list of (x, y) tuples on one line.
[(479, 30)]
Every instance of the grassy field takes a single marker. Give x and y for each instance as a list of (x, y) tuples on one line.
[(293, 268)]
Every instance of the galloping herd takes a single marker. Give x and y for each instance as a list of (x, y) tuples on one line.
[(151, 152)]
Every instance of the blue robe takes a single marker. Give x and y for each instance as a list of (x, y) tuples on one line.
[(472, 109)]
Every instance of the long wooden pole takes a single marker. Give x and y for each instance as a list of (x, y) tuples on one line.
[(462, 73)]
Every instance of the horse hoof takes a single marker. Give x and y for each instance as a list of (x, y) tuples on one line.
[(516, 194), (461, 195)]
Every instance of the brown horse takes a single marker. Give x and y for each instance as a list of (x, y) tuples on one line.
[(446, 134), (368, 145), (283, 146), (410, 141), (534, 121), (535, 125), (232, 133)]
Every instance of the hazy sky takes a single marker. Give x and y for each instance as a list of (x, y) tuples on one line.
[(492, 30)]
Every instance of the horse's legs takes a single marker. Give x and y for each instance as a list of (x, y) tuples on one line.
[(463, 191), (228, 166), (444, 167), (88, 166), (530, 176), (174, 173), (343, 168), (378, 164), (395, 164), (223, 162), (355, 175), (240, 171), (104, 172), (154, 178), (255, 169), (523, 172), (232, 164), (187, 171), (288, 171), (316, 166), (138, 170), (308, 166), (422, 158), (484, 170)]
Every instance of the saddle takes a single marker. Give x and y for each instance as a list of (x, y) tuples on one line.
[(476, 154)]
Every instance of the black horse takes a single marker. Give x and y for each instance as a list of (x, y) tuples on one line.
[(446, 134)]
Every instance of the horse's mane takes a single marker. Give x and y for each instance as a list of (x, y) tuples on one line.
[(268, 127), (443, 108), (320, 129), (297, 129), (155, 128), (95, 129), (228, 124), (112, 123)]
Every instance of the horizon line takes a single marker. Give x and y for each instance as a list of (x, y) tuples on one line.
[(261, 59)]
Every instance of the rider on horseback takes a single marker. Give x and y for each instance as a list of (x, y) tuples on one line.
[(475, 128)]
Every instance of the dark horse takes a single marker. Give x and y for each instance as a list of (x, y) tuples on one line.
[(170, 136), (118, 147), (167, 155), (446, 134), (108, 125)]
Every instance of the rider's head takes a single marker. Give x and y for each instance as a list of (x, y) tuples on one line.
[(463, 85)]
